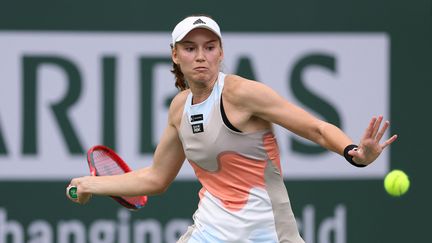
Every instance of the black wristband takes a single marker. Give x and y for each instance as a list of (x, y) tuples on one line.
[(348, 157)]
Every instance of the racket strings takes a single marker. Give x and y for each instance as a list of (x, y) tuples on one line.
[(105, 165)]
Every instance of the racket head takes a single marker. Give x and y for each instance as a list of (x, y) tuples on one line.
[(103, 161)]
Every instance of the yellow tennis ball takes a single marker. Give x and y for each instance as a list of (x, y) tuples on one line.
[(396, 183)]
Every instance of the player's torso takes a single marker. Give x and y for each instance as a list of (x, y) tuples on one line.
[(206, 136), (237, 171)]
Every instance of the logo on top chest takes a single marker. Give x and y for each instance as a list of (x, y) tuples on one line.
[(198, 117), (197, 128)]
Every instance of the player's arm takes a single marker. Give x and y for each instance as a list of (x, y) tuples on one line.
[(155, 179), (263, 102)]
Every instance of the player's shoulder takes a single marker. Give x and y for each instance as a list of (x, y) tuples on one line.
[(235, 80), (237, 88), (177, 104), (180, 98)]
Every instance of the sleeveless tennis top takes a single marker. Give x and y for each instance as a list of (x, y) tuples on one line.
[(243, 197)]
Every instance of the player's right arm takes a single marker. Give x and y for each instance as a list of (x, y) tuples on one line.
[(167, 161)]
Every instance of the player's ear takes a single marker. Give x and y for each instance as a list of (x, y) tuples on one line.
[(174, 56), (221, 55)]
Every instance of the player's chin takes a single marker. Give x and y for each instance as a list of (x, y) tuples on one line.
[(203, 76)]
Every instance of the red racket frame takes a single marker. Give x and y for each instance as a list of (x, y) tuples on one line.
[(120, 162)]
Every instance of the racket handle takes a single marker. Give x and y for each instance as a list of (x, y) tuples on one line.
[(72, 192)]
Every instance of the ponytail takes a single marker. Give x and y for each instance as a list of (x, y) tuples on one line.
[(179, 77)]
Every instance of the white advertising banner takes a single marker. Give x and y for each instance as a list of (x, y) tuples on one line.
[(62, 92)]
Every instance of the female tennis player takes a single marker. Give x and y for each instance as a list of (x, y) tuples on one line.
[(222, 124)]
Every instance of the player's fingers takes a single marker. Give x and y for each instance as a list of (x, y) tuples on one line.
[(369, 129), (389, 141), (376, 126), (380, 134)]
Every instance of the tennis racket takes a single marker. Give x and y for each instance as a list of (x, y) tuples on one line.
[(103, 161)]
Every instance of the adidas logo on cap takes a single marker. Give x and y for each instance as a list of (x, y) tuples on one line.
[(199, 21)]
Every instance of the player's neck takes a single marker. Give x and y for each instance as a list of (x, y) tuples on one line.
[(201, 91)]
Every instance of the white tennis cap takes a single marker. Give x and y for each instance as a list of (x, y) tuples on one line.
[(190, 23)]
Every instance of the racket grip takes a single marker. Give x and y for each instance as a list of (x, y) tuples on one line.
[(72, 192)]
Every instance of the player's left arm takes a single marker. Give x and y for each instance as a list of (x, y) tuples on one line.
[(263, 102)]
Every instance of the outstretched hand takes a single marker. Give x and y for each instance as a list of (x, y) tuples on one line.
[(370, 147)]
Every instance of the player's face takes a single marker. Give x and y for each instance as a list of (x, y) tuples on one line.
[(199, 55)]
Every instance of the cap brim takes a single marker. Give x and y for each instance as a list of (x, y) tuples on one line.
[(202, 26)]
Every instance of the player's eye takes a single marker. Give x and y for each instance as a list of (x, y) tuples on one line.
[(189, 48)]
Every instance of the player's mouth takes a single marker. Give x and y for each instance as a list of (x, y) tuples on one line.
[(200, 69)]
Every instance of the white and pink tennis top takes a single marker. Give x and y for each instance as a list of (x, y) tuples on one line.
[(243, 196)]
